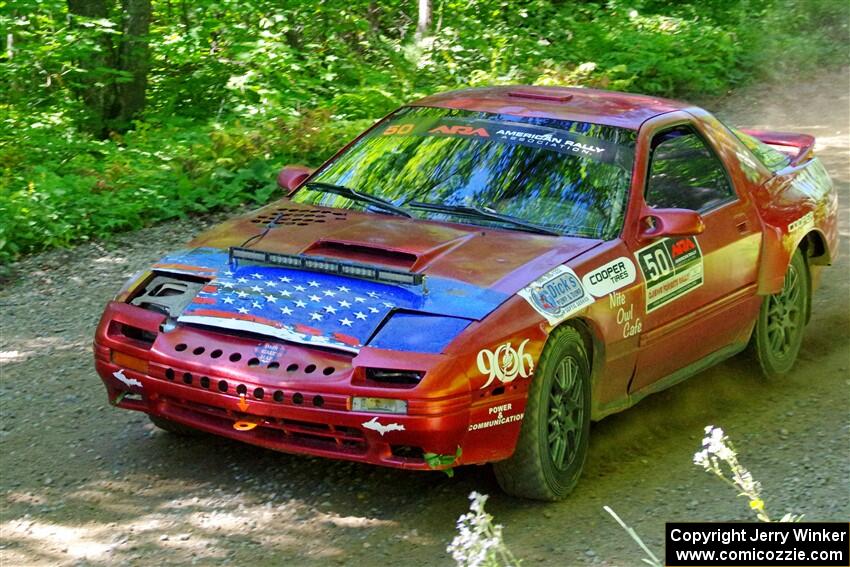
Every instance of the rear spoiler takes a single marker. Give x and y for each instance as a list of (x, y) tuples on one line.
[(799, 146)]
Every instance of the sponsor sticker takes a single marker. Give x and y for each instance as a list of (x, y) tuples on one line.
[(496, 416), (505, 363), (557, 295), (516, 134), (672, 267), (610, 277), (630, 324), (805, 222)]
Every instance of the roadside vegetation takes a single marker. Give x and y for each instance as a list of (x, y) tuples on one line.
[(115, 115)]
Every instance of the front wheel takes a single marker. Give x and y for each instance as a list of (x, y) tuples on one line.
[(779, 330), (552, 445), (173, 426)]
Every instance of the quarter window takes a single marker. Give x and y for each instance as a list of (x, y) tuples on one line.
[(685, 173)]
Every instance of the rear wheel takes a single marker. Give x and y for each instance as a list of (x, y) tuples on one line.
[(173, 427), (552, 445), (782, 318)]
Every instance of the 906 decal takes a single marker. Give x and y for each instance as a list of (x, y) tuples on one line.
[(672, 267), (505, 363)]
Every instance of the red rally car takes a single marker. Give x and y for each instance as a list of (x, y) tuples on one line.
[(477, 277)]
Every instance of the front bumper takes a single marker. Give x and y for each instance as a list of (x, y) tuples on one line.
[(298, 398)]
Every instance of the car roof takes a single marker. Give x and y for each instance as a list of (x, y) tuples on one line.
[(610, 108)]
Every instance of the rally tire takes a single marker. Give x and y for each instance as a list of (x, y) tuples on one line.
[(546, 465), (781, 321), (173, 427)]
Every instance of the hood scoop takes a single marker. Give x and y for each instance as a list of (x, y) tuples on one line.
[(362, 253)]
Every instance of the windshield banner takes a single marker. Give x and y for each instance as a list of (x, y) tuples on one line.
[(514, 133)]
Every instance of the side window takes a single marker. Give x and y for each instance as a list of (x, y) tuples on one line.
[(685, 174)]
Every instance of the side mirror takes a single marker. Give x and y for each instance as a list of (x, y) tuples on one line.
[(291, 177), (656, 223)]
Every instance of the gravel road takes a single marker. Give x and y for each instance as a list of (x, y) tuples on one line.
[(85, 484)]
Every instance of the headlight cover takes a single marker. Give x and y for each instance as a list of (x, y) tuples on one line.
[(418, 332)]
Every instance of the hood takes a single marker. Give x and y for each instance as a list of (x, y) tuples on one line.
[(469, 272), (500, 260)]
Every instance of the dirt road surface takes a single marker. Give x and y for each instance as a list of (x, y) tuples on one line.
[(86, 484)]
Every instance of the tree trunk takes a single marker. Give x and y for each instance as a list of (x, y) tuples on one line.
[(133, 59), (115, 99), (423, 24), (95, 91)]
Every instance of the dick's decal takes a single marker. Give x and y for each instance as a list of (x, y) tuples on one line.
[(610, 277), (557, 295), (672, 267), (496, 416), (505, 363)]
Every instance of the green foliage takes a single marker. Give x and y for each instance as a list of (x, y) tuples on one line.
[(239, 88)]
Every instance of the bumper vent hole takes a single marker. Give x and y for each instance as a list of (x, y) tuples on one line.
[(278, 396), (187, 378), (198, 351), (328, 371), (222, 386), (297, 399), (254, 362), (169, 373), (205, 382), (318, 401), (259, 393), (235, 357), (273, 365), (181, 347), (216, 353), (310, 368), (241, 389), (292, 368)]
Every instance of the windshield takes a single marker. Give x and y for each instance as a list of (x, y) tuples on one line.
[(568, 177)]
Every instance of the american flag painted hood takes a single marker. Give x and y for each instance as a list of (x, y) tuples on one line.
[(314, 308)]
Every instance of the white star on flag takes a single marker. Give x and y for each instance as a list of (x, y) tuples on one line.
[(313, 283), (286, 310), (243, 310), (285, 279), (359, 299), (271, 299), (330, 309), (344, 303), (285, 293), (257, 276), (329, 293), (257, 289), (228, 300), (360, 315), (343, 289), (345, 322), (315, 316), (241, 280), (299, 288), (315, 298), (300, 303)]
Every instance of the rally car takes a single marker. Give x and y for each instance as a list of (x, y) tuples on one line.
[(478, 276)]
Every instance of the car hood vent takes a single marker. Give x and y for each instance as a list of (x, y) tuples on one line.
[(291, 216)]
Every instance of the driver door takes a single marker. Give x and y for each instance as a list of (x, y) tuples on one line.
[(698, 289)]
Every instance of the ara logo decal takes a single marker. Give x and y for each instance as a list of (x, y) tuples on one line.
[(505, 363), (682, 246), (126, 380), (557, 295), (610, 277), (375, 425), (459, 130)]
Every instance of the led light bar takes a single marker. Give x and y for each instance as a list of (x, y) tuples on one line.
[(326, 265)]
